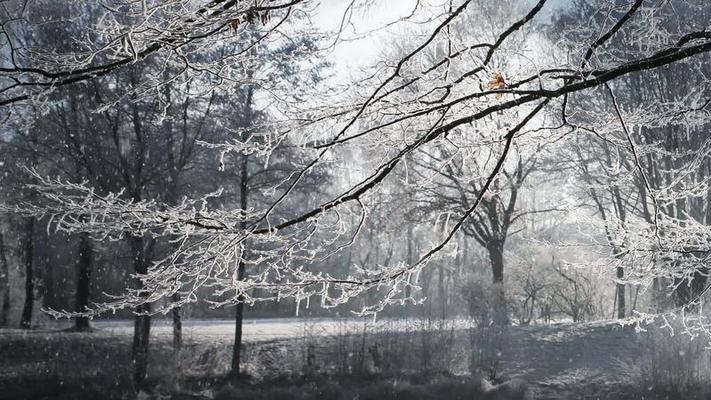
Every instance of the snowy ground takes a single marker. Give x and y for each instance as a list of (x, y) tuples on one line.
[(555, 358), (254, 330), (568, 354)]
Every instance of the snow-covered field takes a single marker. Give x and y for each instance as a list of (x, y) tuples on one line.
[(254, 330), (553, 357)]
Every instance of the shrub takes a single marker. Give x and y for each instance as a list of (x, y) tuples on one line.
[(442, 387), (672, 367)]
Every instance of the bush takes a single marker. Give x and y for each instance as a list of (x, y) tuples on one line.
[(442, 387), (487, 344), (385, 348), (673, 367)]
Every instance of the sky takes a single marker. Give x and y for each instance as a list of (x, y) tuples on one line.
[(358, 50)]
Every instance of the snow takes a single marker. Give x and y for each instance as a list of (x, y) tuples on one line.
[(254, 330)]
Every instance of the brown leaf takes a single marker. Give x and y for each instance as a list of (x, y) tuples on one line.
[(265, 18), (497, 81)]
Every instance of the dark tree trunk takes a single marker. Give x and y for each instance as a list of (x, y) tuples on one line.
[(177, 327), (141, 334), (410, 254), (239, 318), (172, 196), (442, 294), (28, 248), (4, 284), (496, 256), (239, 310), (621, 304), (5, 310), (83, 279), (48, 292), (142, 323)]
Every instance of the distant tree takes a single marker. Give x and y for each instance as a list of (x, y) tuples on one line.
[(28, 264), (4, 283), (442, 87), (641, 153)]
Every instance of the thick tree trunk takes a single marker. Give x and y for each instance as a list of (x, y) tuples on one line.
[(83, 279), (28, 249), (4, 284), (142, 323), (496, 256), (141, 335), (49, 292)]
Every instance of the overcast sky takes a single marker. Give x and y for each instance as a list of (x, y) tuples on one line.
[(357, 51)]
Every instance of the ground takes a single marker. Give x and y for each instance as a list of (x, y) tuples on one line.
[(550, 358)]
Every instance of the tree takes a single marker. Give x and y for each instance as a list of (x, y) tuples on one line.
[(28, 262), (644, 165), (83, 278), (4, 283), (459, 181), (149, 147), (411, 104), (122, 35)]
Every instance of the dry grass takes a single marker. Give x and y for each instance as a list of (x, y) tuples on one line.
[(672, 367), (347, 388)]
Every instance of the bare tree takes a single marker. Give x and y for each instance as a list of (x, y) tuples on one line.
[(573, 296), (643, 156), (29, 271), (4, 283), (415, 103)]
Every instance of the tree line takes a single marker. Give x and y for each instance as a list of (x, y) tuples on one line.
[(179, 156)]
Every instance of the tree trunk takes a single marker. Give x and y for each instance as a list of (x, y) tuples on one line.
[(4, 284), (5, 310), (172, 198), (177, 327), (410, 254), (239, 318), (141, 335), (49, 287), (621, 306), (657, 304), (442, 294), (26, 319), (239, 311), (496, 256), (142, 323), (83, 279)]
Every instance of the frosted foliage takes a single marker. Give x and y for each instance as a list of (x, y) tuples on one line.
[(487, 95)]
